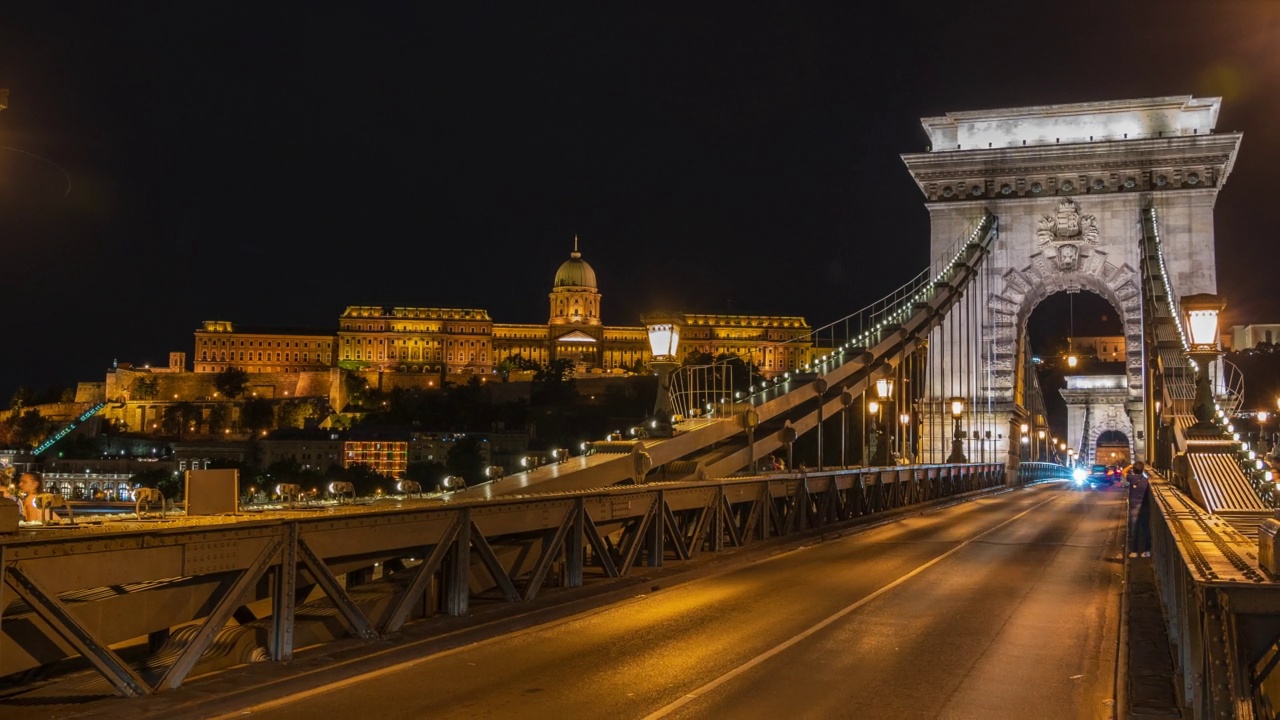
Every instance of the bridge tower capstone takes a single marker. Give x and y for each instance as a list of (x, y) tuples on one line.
[(1068, 183)]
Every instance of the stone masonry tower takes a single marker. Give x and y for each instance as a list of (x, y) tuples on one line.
[(1068, 183)]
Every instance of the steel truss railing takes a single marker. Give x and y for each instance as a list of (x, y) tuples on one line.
[(1223, 613), (81, 595), (1221, 610), (1034, 472)]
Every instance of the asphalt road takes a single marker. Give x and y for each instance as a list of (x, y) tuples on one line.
[(1006, 607)]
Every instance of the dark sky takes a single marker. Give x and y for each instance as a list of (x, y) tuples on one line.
[(270, 166)]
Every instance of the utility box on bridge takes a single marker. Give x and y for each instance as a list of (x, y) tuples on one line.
[(1267, 557), (213, 492)]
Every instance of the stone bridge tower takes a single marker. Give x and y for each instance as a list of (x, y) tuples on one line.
[(1068, 183)]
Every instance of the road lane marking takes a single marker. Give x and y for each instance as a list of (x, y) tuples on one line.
[(300, 695), (804, 635)]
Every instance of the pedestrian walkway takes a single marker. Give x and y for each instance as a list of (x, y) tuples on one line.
[(1152, 689)]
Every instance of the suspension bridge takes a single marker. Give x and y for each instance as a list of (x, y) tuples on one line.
[(961, 540)]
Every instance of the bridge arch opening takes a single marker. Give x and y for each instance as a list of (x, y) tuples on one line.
[(1113, 447), (1079, 353)]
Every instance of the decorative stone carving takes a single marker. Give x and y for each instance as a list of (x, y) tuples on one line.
[(1062, 234)]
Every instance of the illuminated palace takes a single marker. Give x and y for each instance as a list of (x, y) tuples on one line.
[(463, 341)]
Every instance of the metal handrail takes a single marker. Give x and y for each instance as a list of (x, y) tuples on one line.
[(865, 322)]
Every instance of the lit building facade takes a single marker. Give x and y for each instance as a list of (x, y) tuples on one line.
[(221, 345), (466, 341), (412, 339), (1109, 348)]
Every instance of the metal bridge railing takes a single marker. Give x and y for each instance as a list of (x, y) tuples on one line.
[(1034, 472), (1221, 610), (705, 390), (378, 566)]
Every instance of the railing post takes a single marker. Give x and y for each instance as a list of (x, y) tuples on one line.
[(457, 578), (654, 542), (574, 548), (284, 597)]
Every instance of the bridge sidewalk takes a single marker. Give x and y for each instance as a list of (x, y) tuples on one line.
[(1151, 676)]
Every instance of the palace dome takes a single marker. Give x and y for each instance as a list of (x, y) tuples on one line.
[(575, 272)]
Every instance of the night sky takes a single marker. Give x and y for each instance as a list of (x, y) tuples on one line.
[(271, 166)]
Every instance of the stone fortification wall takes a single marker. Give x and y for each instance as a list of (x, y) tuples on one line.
[(122, 384), (57, 412), (91, 392)]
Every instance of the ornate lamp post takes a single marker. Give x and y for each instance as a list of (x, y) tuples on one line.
[(884, 391), (1026, 442), (1040, 445), (957, 436), (1201, 320), (664, 343)]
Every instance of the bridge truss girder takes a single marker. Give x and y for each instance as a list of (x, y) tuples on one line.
[(53, 608)]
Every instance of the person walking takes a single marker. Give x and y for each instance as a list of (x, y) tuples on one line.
[(1139, 510)]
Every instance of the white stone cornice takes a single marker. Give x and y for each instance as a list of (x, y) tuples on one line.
[(1112, 163)]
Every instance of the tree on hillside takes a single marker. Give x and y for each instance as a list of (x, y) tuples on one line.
[(465, 460), (257, 414), (169, 483), (515, 363), (219, 418), (30, 428), (295, 413), (697, 357), (22, 397), (553, 383), (145, 388), (180, 418), (231, 383)]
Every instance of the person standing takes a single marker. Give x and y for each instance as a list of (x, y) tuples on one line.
[(1139, 511)]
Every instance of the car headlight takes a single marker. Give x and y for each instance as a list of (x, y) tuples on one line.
[(1080, 475)]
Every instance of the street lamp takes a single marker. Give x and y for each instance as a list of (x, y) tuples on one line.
[(1040, 445), (881, 445), (957, 444), (1201, 320), (1072, 360), (664, 342)]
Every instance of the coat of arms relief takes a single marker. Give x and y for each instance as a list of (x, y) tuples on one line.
[(1064, 234)]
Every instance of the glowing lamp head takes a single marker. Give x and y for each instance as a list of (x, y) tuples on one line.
[(957, 407), (884, 388), (1263, 415), (904, 418), (1200, 313), (1040, 434), (1025, 428), (873, 407), (664, 333), (1072, 361)]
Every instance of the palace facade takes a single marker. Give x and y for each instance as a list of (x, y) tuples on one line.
[(466, 341)]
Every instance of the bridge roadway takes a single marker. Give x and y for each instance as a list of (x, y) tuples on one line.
[(1002, 607)]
